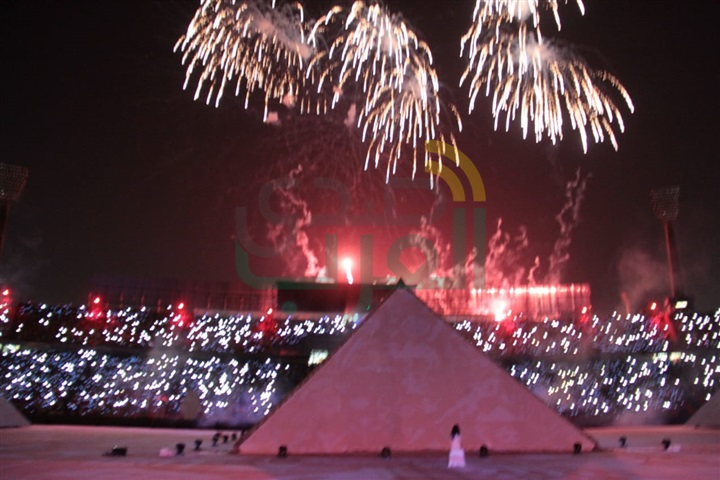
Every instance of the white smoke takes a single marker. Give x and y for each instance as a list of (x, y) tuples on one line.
[(641, 275), (351, 117), (503, 261), (273, 118), (292, 231), (531, 275), (282, 26), (288, 100), (568, 219)]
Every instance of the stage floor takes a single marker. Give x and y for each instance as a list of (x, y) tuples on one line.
[(70, 452)]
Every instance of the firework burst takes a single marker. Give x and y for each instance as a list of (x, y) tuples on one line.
[(377, 52), (256, 45), (536, 80), (491, 12)]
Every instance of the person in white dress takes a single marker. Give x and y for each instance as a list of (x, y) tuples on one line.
[(457, 454)]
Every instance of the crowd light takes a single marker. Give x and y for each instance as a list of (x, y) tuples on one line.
[(139, 362)]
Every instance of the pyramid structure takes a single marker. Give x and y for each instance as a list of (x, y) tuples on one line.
[(10, 416), (402, 380), (708, 415)]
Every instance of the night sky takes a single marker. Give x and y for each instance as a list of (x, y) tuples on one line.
[(131, 177)]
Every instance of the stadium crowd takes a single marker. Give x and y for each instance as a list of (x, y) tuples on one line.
[(148, 363)]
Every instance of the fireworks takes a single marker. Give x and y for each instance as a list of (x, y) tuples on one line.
[(254, 44), (368, 62), (377, 51), (266, 48), (494, 11), (538, 80)]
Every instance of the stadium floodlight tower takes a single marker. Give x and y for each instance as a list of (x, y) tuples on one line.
[(665, 203), (12, 181)]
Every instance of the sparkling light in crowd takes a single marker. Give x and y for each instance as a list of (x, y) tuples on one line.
[(401, 107), (639, 364)]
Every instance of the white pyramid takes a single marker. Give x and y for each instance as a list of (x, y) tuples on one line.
[(708, 415), (402, 380), (10, 416)]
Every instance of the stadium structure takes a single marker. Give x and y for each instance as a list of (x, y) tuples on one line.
[(144, 352)]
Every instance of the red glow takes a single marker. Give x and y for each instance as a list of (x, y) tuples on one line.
[(533, 301), (347, 265), (500, 310), (96, 311), (181, 305)]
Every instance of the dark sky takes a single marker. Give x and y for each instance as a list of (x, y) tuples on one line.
[(130, 176)]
